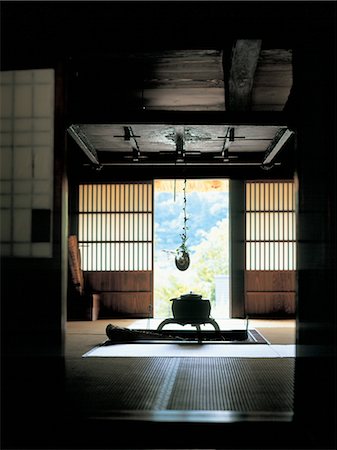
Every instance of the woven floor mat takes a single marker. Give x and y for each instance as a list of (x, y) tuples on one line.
[(235, 384)]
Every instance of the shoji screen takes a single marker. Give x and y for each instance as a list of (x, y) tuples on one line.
[(270, 281), (115, 226), (270, 226), (26, 162)]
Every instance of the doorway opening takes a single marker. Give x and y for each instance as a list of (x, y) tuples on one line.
[(207, 227)]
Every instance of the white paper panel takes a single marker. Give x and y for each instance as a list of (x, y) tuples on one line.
[(42, 202), (6, 163), (21, 249), (22, 201), (6, 103), (5, 222), (42, 162), (23, 138), (41, 187), (24, 77), (22, 187), (22, 225), (42, 100), (22, 163), (41, 249), (23, 101), (5, 187)]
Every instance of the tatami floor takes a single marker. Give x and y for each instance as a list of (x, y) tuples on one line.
[(81, 336), (161, 394)]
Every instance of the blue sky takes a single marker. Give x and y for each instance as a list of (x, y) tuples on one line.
[(203, 210)]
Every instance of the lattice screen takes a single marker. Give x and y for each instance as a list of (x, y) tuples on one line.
[(270, 226), (115, 226), (26, 161)]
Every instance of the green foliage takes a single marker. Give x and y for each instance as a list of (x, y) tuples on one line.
[(169, 288), (211, 255), (208, 259)]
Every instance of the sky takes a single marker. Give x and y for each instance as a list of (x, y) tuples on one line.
[(203, 211)]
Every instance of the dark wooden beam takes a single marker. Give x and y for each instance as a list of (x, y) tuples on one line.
[(81, 139), (245, 55), (183, 117), (134, 172), (276, 145), (273, 80)]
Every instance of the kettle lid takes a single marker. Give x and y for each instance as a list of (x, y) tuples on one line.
[(191, 296)]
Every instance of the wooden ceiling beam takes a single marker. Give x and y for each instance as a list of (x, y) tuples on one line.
[(244, 58), (151, 171), (81, 139), (279, 118), (276, 146)]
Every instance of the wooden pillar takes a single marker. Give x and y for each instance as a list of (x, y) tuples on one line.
[(314, 110), (237, 247)]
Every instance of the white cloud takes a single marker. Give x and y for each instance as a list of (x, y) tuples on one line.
[(214, 209), (200, 232)]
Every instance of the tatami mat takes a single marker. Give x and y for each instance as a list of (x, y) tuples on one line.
[(191, 383), (192, 350)]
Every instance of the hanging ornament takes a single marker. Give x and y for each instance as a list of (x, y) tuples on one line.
[(182, 258)]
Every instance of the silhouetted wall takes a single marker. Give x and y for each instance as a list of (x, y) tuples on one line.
[(33, 290), (314, 108)]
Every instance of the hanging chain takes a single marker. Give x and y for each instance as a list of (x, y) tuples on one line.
[(184, 233)]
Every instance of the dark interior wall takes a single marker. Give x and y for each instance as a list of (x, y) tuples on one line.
[(314, 107), (38, 36), (316, 182), (101, 28)]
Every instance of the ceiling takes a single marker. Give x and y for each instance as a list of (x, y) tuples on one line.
[(129, 143), (248, 80)]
